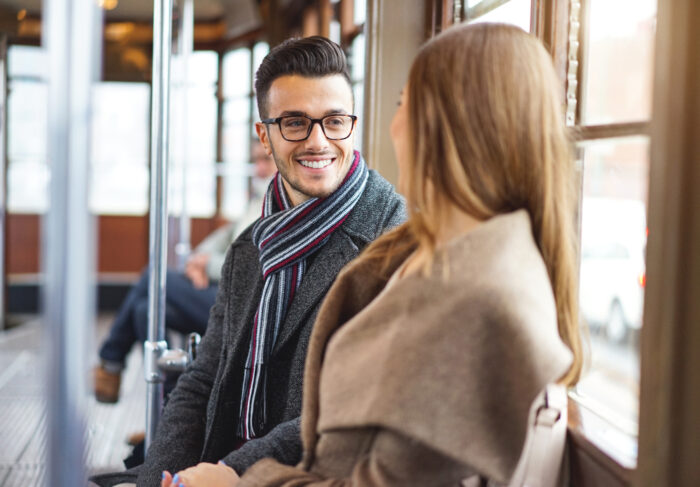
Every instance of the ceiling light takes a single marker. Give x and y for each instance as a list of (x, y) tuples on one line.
[(108, 4)]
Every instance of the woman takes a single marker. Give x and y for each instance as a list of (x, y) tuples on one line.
[(431, 346)]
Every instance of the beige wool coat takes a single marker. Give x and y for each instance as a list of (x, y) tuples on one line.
[(429, 380)]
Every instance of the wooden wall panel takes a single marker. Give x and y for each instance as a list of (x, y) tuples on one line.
[(123, 242), (22, 244)]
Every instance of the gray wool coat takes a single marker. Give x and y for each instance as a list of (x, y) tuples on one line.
[(199, 422)]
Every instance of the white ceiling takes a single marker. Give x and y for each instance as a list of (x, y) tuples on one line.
[(134, 9)]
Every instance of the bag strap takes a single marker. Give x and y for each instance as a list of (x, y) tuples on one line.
[(540, 461)]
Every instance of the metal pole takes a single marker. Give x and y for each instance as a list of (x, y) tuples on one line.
[(72, 43), (186, 45), (160, 99)]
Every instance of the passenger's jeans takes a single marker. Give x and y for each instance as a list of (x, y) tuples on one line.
[(186, 310)]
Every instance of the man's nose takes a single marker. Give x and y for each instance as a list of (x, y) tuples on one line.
[(317, 139)]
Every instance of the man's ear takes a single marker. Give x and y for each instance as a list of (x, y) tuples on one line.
[(261, 130)]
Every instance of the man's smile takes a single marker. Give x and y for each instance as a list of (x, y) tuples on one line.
[(316, 162)]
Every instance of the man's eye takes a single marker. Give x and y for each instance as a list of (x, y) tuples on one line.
[(294, 122), (335, 121)]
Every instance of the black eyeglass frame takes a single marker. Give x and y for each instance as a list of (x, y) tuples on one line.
[(319, 121)]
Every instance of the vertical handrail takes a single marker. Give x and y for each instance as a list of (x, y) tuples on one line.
[(71, 39), (160, 108)]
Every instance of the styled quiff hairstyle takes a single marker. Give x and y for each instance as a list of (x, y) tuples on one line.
[(487, 136), (312, 57)]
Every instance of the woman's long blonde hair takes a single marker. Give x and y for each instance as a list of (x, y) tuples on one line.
[(487, 133)]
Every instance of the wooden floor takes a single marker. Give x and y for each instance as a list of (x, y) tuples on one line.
[(23, 409)]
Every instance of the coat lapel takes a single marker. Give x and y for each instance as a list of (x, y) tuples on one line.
[(331, 258)]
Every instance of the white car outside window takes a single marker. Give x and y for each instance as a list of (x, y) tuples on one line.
[(612, 279)]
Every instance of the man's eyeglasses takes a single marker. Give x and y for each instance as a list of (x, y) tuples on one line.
[(298, 127)]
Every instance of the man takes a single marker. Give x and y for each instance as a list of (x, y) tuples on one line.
[(189, 295), (240, 400)]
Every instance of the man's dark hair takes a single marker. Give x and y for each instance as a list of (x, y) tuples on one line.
[(311, 56)]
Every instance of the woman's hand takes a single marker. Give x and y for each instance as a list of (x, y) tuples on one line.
[(202, 475)]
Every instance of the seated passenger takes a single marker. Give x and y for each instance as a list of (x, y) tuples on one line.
[(431, 346), (240, 400), (188, 295)]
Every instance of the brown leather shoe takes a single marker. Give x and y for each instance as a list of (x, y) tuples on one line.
[(106, 385)]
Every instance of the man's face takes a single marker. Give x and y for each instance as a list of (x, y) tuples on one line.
[(315, 98)]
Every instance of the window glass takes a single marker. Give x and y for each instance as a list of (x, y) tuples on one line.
[(236, 110), (358, 90), (360, 11), (516, 12), (26, 61), (27, 116), (235, 197), (236, 141), (260, 50), (28, 173), (203, 67), (120, 145), (357, 58), (618, 61), (27, 187), (334, 31), (193, 136), (357, 73), (613, 276), (240, 112), (236, 73)]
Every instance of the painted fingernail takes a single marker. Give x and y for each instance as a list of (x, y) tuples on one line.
[(162, 476), (176, 478), (181, 485)]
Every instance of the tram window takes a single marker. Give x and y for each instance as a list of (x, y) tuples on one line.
[(193, 140), (516, 12), (260, 50), (239, 116), (357, 60), (618, 61), (236, 75), (27, 171), (360, 11), (614, 89), (612, 281), (120, 130), (26, 62)]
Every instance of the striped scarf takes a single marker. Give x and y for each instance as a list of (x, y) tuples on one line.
[(285, 236)]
